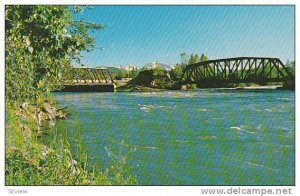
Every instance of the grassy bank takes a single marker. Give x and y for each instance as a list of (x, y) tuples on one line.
[(40, 43), (40, 154)]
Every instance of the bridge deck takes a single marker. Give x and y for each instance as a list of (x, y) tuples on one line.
[(89, 87)]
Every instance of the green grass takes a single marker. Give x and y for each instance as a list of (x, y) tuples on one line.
[(43, 156)]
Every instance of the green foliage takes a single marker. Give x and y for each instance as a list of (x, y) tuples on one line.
[(118, 74), (133, 73), (193, 86), (119, 172), (203, 58), (40, 42), (291, 67), (176, 72), (48, 160), (194, 58), (158, 70), (121, 74)]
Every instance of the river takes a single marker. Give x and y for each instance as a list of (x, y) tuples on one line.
[(202, 137)]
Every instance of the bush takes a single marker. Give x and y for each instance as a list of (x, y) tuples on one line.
[(40, 42), (32, 159), (176, 72), (157, 78)]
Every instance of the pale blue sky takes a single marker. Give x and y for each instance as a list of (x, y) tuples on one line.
[(141, 34)]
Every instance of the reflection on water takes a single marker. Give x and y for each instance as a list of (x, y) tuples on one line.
[(204, 137)]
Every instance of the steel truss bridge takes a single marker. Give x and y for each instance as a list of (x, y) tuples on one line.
[(83, 79), (90, 75), (216, 73)]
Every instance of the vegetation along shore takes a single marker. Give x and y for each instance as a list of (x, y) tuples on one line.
[(40, 43)]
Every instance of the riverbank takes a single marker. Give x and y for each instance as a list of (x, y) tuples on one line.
[(130, 87), (39, 151)]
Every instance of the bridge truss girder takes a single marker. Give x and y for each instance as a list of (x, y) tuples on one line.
[(237, 70), (91, 75)]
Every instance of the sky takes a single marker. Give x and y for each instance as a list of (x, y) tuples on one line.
[(142, 34)]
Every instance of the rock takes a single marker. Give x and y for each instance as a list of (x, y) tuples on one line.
[(24, 105), (184, 87), (61, 114), (50, 110)]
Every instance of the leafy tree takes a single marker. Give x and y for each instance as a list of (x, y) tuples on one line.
[(197, 58), (176, 72), (121, 74), (40, 42), (203, 58), (291, 67), (194, 58), (133, 73)]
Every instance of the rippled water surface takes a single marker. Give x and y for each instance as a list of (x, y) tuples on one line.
[(204, 137)]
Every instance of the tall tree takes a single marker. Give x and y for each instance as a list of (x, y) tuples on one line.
[(40, 42), (176, 72), (194, 58), (203, 58)]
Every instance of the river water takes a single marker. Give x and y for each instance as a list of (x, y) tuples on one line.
[(203, 137)]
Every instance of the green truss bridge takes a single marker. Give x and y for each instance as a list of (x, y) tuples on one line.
[(222, 72)]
